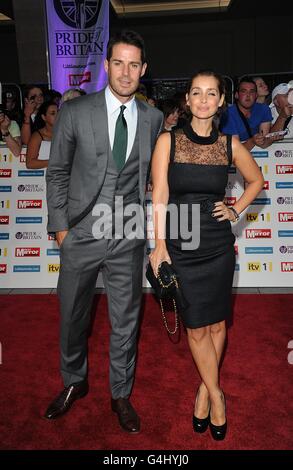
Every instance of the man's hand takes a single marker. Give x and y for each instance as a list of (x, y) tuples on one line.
[(258, 139), (60, 236)]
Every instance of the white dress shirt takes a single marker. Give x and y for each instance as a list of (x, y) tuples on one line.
[(130, 114)]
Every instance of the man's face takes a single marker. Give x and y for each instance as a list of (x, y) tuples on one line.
[(124, 70), (246, 95), (281, 101)]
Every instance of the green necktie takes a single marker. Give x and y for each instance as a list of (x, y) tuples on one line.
[(120, 140)]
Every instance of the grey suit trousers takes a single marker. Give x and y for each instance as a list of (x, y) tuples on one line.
[(120, 261)]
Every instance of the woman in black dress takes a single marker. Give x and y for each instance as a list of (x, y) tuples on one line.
[(190, 169)]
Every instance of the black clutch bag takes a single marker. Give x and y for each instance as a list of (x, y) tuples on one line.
[(167, 287)]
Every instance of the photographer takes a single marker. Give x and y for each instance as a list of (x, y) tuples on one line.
[(33, 98), (9, 133)]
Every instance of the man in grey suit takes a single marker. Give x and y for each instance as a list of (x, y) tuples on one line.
[(100, 153)]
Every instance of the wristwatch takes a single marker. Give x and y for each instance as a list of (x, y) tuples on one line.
[(5, 134), (237, 216)]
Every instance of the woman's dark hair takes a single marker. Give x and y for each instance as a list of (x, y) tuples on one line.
[(210, 73), (39, 122), (221, 86), (52, 95), (126, 37), (168, 106)]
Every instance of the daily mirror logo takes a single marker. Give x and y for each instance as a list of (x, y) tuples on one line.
[(258, 233), (5, 173), (284, 169), (29, 204), (287, 267), (285, 216), (22, 252), (3, 268)]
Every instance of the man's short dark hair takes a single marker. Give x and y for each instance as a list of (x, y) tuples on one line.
[(126, 37), (246, 80)]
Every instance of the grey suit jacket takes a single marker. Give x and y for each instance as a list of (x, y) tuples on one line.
[(79, 155)]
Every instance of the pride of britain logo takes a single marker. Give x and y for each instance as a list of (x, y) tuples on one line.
[(278, 153), (79, 14)]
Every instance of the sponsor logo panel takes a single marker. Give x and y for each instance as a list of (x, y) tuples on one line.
[(257, 266), (25, 268), (285, 216), (28, 235), (5, 189), (5, 172), (258, 217), (21, 252), (53, 268), (262, 250), (284, 169), (286, 249), (30, 173), (4, 219), (260, 154), (284, 185), (53, 252), (4, 236), (258, 233), (263, 201), (285, 233), (3, 268), (287, 266), (29, 220), (29, 204)]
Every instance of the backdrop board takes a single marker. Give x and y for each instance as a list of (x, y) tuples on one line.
[(77, 37), (29, 257)]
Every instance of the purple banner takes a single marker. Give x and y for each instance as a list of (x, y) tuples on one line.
[(78, 33)]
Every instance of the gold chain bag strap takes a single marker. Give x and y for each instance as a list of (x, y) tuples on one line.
[(166, 286)]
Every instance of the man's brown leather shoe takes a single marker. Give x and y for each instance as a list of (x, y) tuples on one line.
[(65, 399), (128, 419)]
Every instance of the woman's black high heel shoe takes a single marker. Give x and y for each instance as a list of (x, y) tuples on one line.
[(219, 432), (200, 425)]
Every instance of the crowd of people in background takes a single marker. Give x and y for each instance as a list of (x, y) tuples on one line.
[(33, 124), (255, 114)]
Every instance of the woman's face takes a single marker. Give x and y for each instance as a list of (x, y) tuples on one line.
[(204, 97), (262, 87), (36, 96), (50, 115), (172, 119)]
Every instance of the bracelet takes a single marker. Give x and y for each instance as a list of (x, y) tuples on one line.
[(6, 134), (237, 216)]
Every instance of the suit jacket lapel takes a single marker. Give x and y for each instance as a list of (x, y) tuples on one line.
[(99, 121)]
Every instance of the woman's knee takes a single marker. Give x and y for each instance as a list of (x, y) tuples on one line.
[(217, 328), (197, 334)]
